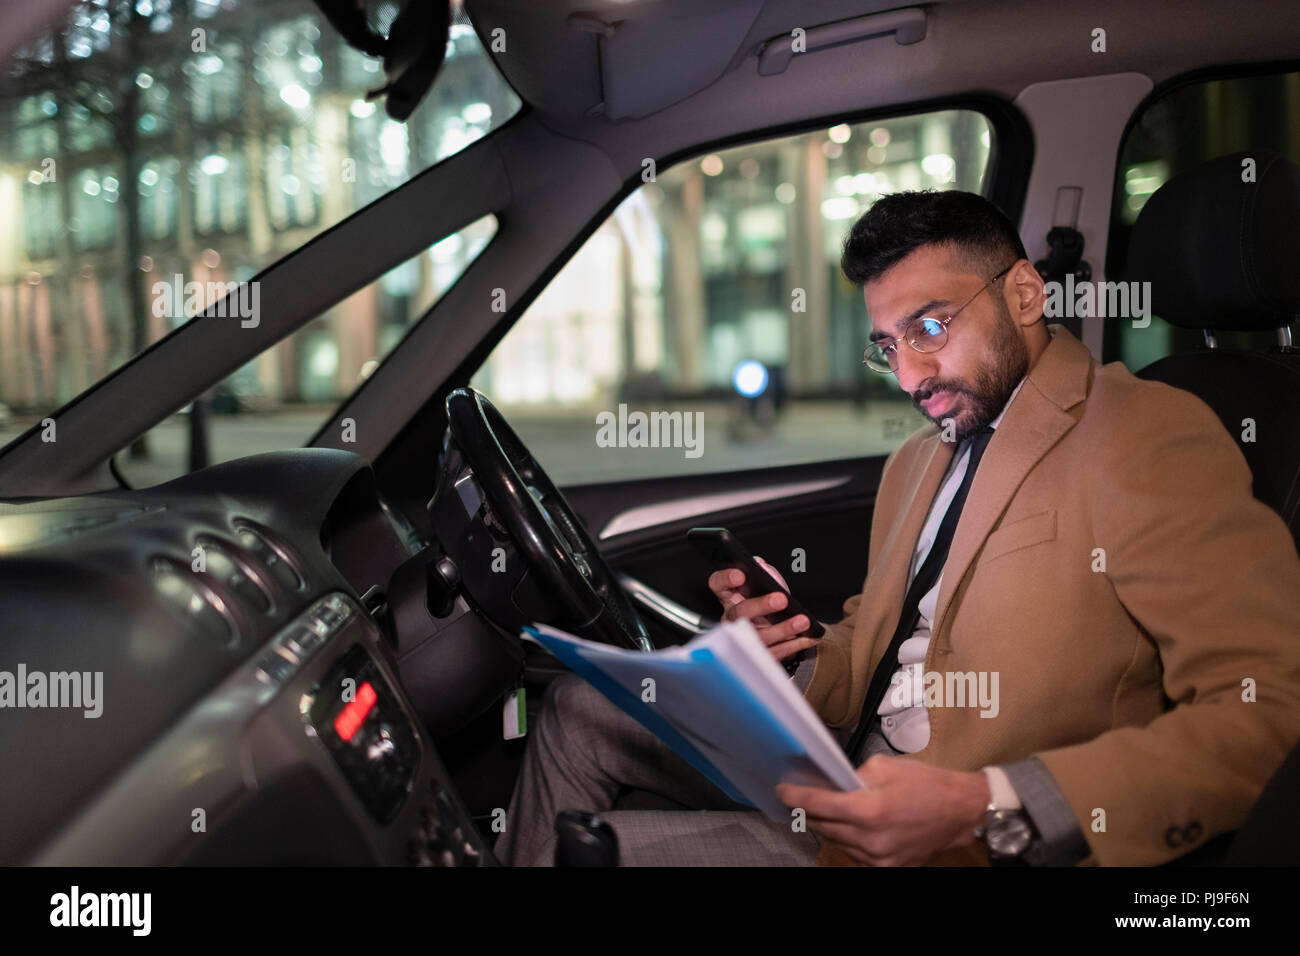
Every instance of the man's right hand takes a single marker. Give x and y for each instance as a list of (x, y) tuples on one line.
[(783, 640)]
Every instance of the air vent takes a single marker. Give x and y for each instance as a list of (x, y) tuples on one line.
[(235, 575), (202, 607), (274, 556)]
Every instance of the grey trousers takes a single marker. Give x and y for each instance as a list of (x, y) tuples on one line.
[(584, 752)]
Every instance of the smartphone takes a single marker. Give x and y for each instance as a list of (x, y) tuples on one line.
[(723, 549)]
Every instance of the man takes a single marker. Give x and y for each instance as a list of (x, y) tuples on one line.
[(1078, 639)]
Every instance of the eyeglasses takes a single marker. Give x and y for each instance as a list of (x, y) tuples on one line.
[(925, 333)]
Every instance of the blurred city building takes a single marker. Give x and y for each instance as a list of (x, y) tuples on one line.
[(145, 140)]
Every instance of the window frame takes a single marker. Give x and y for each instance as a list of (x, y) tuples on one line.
[(1006, 180)]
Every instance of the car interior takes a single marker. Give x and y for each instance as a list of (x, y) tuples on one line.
[(400, 547)]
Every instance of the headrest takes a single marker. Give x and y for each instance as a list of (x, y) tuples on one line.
[(1221, 253)]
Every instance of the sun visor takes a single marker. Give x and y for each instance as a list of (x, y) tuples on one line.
[(647, 64)]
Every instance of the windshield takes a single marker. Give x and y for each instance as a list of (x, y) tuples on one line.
[(146, 140)]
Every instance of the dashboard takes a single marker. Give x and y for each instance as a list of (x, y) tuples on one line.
[(192, 673)]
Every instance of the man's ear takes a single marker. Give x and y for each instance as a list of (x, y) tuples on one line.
[(1024, 293)]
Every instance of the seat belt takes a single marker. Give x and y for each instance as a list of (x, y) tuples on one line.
[(1065, 250)]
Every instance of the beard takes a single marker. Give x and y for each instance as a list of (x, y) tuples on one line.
[(1005, 363)]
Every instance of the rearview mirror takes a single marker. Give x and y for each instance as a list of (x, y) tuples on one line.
[(409, 35)]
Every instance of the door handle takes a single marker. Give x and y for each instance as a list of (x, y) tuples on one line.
[(906, 25), (665, 608)]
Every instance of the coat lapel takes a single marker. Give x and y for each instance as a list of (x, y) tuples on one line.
[(1031, 426)]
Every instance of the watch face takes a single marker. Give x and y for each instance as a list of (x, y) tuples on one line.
[(1008, 835)]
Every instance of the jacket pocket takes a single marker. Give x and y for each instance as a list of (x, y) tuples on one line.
[(1019, 534)]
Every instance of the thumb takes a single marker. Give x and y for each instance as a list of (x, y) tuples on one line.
[(877, 769)]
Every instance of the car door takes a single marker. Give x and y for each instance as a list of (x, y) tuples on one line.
[(810, 521)]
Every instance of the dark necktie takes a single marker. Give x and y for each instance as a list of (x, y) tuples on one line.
[(921, 584)]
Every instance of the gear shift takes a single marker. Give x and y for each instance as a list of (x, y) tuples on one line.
[(584, 839)]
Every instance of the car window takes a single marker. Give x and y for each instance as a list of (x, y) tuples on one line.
[(279, 399), (1176, 132), (705, 326), (204, 139)]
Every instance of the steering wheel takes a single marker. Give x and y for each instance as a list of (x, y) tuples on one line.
[(542, 524)]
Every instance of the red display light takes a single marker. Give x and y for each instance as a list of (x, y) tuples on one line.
[(350, 719)]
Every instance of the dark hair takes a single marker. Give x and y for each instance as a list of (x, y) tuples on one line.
[(981, 237)]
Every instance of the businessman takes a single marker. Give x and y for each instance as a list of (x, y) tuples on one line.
[(1081, 541)]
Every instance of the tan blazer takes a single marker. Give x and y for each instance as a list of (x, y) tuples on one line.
[(1198, 601)]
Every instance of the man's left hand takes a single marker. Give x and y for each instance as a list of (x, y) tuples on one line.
[(906, 813)]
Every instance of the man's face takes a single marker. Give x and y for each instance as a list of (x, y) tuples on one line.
[(970, 379)]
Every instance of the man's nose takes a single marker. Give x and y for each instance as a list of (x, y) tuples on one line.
[(914, 367)]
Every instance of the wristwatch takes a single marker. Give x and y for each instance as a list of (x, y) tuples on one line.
[(791, 663), (1006, 835), (1007, 831)]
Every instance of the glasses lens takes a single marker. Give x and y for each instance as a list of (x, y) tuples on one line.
[(876, 358), (927, 334)]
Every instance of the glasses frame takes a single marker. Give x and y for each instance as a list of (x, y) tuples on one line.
[(944, 320)]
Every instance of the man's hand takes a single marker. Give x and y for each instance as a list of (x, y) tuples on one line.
[(782, 639), (907, 813)]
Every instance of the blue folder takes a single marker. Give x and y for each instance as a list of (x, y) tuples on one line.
[(720, 707)]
